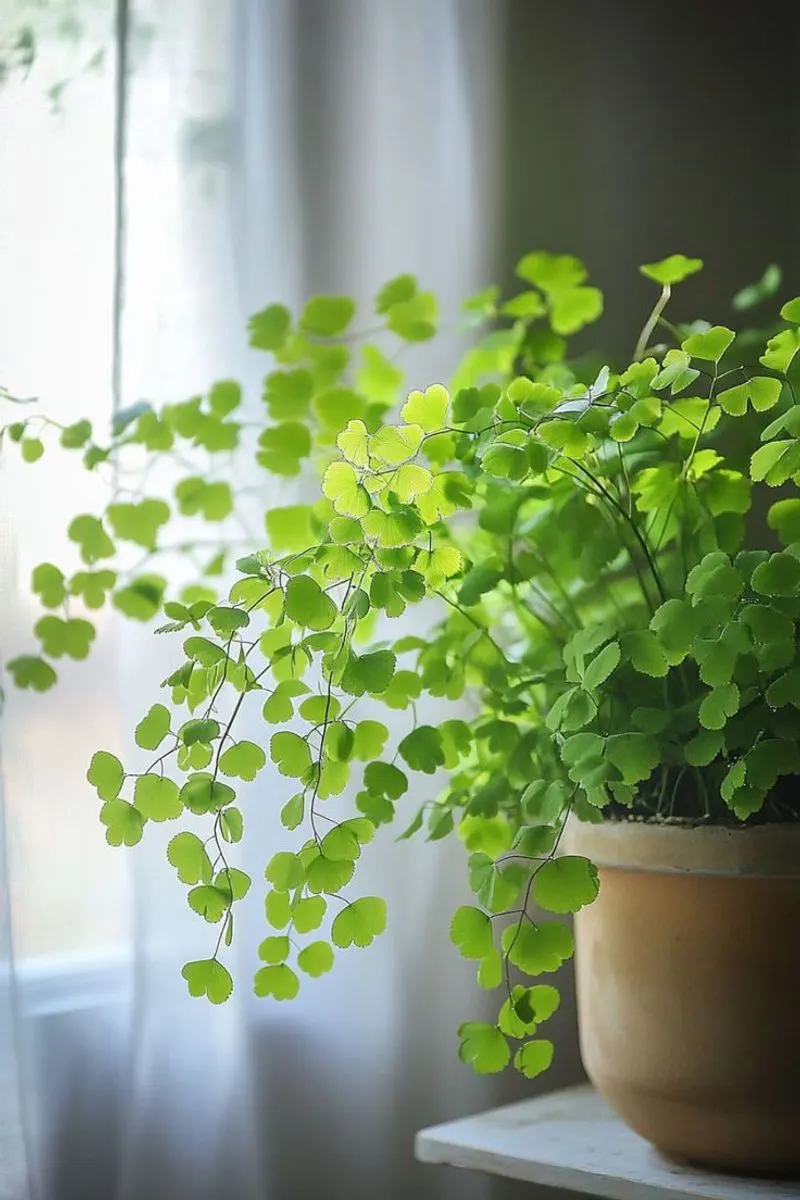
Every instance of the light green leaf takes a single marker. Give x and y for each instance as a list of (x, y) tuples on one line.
[(543, 803), (623, 426), (553, 273), (92, 586), (188, 855), (339, 406), (422, 749), (524, 304), (410, 481), (784, 516), (32, 449), (564, 435), (290, 527), (278, 707), (274, 949), (396, 291), (291, 754), (369, 739), (293, 811), (778, 576), (280, 982), (243, 760), (711, 344), (718, 705), (756, 293), (762, 392), (427, 409), (490, 971), (307, 605), (646, 653), (209, 902), (574, 308), (285, 870), (781, 350), (283, 446), (538, 948), (269, 328), (315, 959), (224, 396), (287, 393), (359, 923), (123, 823), (484, 1047), (308, 913), (566, 884), (673, 269), (106, 774), (48, 583), (327, 874), (327, 316), (526, 1008), (30, 671), (212, 501), (278, 909), (534, 1057), (231, 824), (138, 523), (153, 728), (354, 443), (75, 437), (225, 620), (141, 599), (395, 444), (207, 977), (90, 535), (602, 666), (414, 319), (204, 651), (704, 747), (776, 462), (439, 564), (203, 794), (506, 461), (378, 378), (785, 690), (157, 798), (341, 485), (635, 754), (471, 932), (368, 673), (201, 729), (385, 779)]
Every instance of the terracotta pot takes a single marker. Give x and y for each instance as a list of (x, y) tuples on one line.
[(688, 977)]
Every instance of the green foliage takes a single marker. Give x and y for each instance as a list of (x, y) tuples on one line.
[(210, 978), (575, 540), (30, 671), (672, 270), (483, 1046)]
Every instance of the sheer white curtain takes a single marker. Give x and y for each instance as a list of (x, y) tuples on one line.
[(273, 149)]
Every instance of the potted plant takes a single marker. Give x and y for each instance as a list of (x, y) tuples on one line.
[(612, 652)]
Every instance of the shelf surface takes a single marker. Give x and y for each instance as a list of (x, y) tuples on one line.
[(572, 1140)]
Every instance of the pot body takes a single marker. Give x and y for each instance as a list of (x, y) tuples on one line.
[(688, 978)]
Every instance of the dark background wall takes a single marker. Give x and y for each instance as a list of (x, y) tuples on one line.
[(636, 130)]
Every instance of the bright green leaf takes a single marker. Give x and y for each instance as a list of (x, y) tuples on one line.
[(207, 977)]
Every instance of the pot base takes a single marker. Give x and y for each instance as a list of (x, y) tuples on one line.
[(763, 1144)]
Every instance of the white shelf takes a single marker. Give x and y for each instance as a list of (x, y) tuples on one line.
[(572, 1140)]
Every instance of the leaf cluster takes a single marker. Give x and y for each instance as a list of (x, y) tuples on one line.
[(623, 642)]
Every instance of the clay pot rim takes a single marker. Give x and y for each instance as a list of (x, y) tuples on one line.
[(759, 850)]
